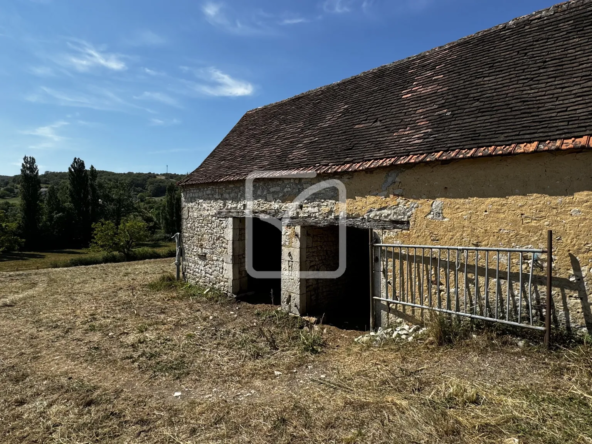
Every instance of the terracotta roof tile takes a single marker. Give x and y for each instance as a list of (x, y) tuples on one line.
[(521, 87)]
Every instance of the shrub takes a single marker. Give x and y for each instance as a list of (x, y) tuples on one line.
[(104, 236), (144, 253)]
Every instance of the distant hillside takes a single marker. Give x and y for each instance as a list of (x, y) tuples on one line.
[(147, 184)]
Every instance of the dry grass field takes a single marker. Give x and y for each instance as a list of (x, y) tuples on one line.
[(95, 354)]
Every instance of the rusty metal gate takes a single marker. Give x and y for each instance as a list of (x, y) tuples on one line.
[(500, 285)]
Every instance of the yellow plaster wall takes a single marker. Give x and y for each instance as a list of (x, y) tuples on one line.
[(490, 202)]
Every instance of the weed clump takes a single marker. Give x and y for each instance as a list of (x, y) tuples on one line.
[(186, 290), (445, 330), (164, 282), (459, 394), (311, 340)]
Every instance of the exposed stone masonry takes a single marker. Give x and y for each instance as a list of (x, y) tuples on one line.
[(506, 202)]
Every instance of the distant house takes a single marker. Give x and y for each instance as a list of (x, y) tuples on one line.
[(481, 142)]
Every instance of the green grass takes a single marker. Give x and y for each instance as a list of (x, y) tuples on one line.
[(35, 260)]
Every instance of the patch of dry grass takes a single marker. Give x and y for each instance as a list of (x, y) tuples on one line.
[(96, 354)]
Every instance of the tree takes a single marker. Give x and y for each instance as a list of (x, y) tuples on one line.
[(79, 198), (118, 201), (30, 201), (172, 216), (123, 239), (130, 232), (94, 200), (57, 221), (53, 204), (9, 241)]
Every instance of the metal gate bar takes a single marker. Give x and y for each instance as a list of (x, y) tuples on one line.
[(416, 283)]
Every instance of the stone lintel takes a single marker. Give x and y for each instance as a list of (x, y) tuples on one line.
[(358, 222)]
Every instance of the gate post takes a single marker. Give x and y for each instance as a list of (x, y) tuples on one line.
[(549, 288), (371, 277), (177, 237)]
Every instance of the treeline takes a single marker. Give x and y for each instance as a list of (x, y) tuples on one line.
[(74, 204), (143, 185)]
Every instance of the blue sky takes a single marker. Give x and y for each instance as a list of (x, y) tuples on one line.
[(138, 85)]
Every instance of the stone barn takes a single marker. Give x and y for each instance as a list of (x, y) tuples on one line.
[(483, 142)]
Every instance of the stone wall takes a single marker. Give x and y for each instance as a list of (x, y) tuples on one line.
[(205, 244), (499, 201)]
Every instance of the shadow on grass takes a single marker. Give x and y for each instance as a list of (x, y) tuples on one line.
[(27, 255), (64, 252), (6, 257)]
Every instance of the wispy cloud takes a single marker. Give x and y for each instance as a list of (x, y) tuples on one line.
[(88, 124), (97, 98), (159, 97), (85, 57), (163, 122), (146, 38), (337, 6), (64, 98), (48, 134), (220, 16), (294, 21), (152, 72), (48, 131), (220, 84), (213, 11), (226, 85), (367, 6), (251, 22)]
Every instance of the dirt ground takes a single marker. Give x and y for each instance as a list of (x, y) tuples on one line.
[(92, 354)]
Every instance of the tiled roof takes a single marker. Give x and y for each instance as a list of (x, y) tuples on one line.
[(500, 91)]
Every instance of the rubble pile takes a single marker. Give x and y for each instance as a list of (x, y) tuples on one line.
[(401, 333)]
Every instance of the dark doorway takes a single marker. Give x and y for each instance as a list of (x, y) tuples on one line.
[(267, 256), (354, 311), (343, 302)]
